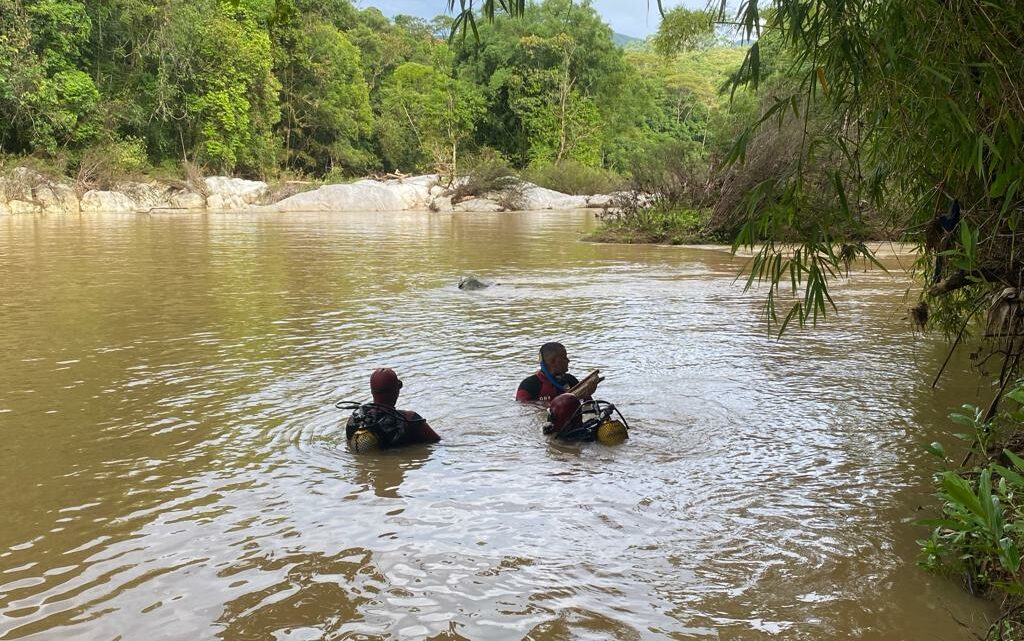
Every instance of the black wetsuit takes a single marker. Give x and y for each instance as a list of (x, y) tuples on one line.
[(538, 387)]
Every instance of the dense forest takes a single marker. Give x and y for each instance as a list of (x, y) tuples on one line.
[(265, 88)]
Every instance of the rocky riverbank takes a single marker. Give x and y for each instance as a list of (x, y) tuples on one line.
[(23, 191)]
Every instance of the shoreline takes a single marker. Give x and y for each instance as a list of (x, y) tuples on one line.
[(27, 192)]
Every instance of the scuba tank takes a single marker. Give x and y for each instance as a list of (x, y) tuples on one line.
[(374, 426), (594, 421)]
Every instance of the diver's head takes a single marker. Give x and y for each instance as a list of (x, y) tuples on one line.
[(564, 414), (385, 386), (553, 355)]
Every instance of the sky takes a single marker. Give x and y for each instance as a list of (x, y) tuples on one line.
[(629, 17)]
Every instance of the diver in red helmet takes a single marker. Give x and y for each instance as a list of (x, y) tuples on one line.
[(553, 377), (394, 427), (564, 415), (570, 419)]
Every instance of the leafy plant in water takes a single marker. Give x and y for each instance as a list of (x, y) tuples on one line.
[(981, 532)]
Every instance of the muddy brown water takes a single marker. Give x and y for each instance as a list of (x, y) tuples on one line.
[(172, 467)]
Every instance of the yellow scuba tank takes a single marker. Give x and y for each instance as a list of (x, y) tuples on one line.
[(595, 420), (363, 441), (373, 426), (611, 432)]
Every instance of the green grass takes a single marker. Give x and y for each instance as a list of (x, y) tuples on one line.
[(656, 227)]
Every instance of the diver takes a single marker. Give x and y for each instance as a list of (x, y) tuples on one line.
[(553, 377), (378, 424), (569, 419)]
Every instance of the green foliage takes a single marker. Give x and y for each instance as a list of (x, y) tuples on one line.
[(683, 29), (560, 121), (557, 87), (900, 121), (429, 117), (46, 102), (102, 165), (326, 119), (260, 87), (487, 172), (385, 46), (571, 177), (981, 532), (230, 91), (633, 223)]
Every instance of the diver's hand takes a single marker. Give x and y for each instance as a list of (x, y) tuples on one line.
[(586, 388)]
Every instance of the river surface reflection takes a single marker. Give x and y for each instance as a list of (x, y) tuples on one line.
[(172, 466)]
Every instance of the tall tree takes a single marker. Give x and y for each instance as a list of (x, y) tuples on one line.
[(326, 119), (428, 117), (46, 101)]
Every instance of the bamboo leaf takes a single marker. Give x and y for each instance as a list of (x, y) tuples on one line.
[(844, 204), (821, 80)]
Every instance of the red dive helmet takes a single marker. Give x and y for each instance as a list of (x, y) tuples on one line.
[(563, 413), (385, 385)]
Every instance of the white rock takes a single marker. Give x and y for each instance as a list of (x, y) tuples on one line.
[(20, 183), (599, 201), (478, 204), (4, 209), (14, 190), (57, 198), (426, 180), (179, 199), (225, 193), (364, 195), (642, 199), (442, 204), (106, 201), (535, 198), (145, 196), (436, 191), (23, 207)]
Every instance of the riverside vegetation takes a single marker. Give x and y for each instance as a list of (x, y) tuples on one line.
[(299, 93)]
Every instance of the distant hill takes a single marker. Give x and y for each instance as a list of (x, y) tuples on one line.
[(623, 40)]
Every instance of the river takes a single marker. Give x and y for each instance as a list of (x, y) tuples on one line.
[(172, 466)]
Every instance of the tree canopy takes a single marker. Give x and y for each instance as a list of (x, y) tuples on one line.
[(261, 87)]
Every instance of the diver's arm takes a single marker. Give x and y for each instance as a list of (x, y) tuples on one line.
[(427, 433), (418, 429)]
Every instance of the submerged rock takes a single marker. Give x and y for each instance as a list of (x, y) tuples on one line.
[(441, 204), (472, 283)]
